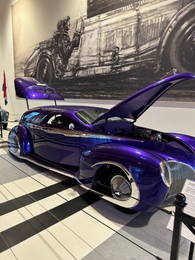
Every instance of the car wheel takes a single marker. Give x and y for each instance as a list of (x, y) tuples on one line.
[(44, 70), (5, 126), (120, 189), (14, 144), (182, 47)]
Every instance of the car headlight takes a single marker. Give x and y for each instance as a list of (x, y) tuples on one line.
[(165, 173)]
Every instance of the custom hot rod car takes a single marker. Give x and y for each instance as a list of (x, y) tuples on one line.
[(27, 87), (134, 167)]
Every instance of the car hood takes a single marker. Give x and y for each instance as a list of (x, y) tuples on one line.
[(134, 106)]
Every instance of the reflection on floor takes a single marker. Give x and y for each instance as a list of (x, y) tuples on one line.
[(45, 215)]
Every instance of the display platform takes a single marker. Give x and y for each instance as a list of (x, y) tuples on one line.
[(45, 215)]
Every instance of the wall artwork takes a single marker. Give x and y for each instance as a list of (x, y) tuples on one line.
[(104, 49)]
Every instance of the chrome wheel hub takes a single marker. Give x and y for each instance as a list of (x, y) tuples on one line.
[(120, 187)]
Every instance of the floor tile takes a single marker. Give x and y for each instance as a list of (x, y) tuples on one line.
[(14, 189), (51, 202), (106, 213), (57, 246), (8, 172), (10, 219), (116, 248), (44, 180), (70, 240), (32, 210), (87, 228), (28, 184), (34, 248), (71, 193), (7, 255), (5, 194)]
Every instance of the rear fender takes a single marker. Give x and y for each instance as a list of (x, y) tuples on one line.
[(23, 136)]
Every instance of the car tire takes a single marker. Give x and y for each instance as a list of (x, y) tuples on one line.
[(120, 189), (5, 126), (44, 70), (182, 47)]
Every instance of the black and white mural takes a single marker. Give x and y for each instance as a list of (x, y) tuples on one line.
[(104, 49)]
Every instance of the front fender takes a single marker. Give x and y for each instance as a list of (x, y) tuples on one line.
[(185, 139), (142, 166), (134, 159)]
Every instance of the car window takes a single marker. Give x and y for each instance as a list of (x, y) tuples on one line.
[(60, 120), (89, 115)]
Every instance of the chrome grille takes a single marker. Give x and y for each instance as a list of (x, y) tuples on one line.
[(179, 173)]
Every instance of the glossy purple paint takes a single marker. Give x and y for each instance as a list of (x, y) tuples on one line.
[(133, 167), (30, 88)]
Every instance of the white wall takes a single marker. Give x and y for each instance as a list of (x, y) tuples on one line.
[(166, 116), (6, 50)]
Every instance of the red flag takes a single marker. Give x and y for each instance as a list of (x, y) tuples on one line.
[(4, 88)]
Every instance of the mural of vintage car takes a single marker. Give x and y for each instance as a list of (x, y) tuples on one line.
[(30, 88), (119, 39), (135, 168)]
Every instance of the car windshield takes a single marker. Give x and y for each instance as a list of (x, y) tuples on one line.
[(89, 115)]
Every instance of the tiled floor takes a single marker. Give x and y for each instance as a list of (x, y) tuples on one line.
[(44, 215)]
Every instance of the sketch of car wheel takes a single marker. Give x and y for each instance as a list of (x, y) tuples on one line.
[(182, 47), (44, 70)]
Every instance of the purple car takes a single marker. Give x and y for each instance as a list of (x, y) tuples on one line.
[(135, 168), (27, 87)]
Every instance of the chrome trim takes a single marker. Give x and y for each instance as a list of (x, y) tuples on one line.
[(65, 132), (164, 167), (135, 196), (71, 175), (179, 171)]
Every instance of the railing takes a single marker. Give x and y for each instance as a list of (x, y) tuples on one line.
[(181, 217)]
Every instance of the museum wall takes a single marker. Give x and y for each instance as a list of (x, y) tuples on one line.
[(171, 116)]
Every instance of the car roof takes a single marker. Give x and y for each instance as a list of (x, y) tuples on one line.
[(62, 109)]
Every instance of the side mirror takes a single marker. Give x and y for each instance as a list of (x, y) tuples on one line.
[(71, 126)]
